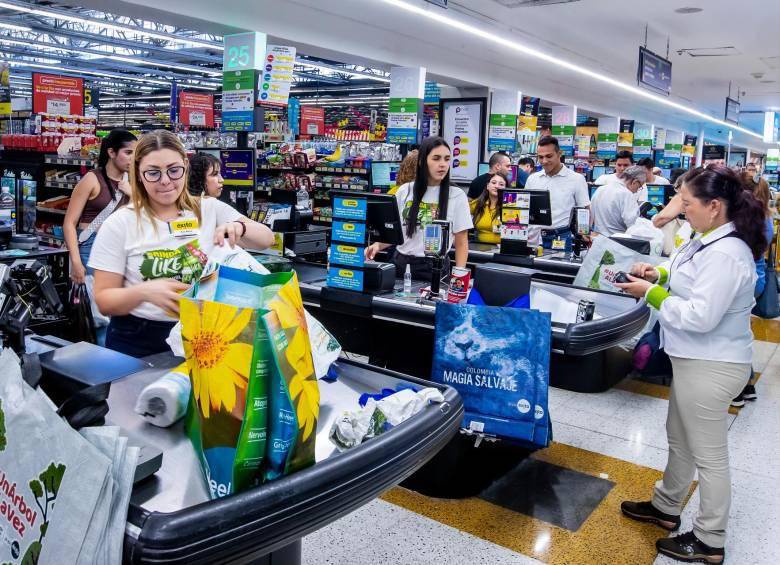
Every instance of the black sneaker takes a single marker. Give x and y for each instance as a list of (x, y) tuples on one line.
[(687, 547), (739, 401), (749, 392), (646, 512)]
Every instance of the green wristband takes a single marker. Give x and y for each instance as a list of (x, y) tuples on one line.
[(656, 295)]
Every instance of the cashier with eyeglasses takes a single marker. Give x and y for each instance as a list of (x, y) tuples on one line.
[(703, 296)]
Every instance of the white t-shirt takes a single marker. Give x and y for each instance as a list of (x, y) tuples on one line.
[(606, 178), (614, 208), (568, 189), (458, 213), (135, 250)]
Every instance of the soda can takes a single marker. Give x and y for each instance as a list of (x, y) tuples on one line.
[(585, 310), (459, 284)]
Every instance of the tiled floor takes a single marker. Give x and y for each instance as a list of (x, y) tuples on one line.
[(618, 436)]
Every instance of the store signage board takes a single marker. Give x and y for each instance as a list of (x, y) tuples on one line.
[(607, 144), (771, 127), (773, 159), (91, 102), (504, 108), (564, 121), (238, 120), (238, 167), (196, 109), (407, 90), (714, 153), (673, 148), (462, 129), (243, 51), (5, 89), (348, 244), (58, 95), (312, 120), (643, 140), (732, 111), (689, 145), (654, 72), (273, 85), (294, 115)]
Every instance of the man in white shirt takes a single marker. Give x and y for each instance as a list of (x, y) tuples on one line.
[(652, 178), (567, 191), (614, 205), (623, 161)]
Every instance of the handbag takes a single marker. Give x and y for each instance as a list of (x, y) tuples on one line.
[(81, 311), (768, 305)]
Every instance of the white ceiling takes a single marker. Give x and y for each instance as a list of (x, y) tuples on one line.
[(602, 35)]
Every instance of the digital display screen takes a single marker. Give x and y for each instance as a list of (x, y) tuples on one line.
[(384, 173)]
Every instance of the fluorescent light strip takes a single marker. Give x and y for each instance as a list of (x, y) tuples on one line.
[(82, 71), (494, 37), (14, 27), (355, 74), (116, 27)]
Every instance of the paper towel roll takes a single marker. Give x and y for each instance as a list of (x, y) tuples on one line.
[(164, 401)]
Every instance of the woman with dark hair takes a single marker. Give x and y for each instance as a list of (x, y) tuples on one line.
[(486, 210), (96, 195), (429, 198), (205, 176), (705, 330)]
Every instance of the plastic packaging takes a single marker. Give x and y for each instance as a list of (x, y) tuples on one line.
[(408, 279), (164, 402)]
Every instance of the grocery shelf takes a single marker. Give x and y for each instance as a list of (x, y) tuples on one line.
[(342, 186), (58, 184), (348, 170), (79, 161), (51, 210)]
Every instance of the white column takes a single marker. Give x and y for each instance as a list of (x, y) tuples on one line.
[(700, 147)]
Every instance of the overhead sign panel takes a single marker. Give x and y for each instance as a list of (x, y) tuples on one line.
[(654, 71)]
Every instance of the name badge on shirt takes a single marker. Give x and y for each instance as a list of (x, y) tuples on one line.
[(558, 244), (184, 227)]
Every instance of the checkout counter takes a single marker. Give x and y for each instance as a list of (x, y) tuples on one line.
[(396, 330), (552, 265)]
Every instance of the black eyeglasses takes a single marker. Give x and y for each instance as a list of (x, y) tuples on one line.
[(155, 175)]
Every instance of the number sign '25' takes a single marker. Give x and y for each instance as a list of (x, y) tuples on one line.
[(243, 51)]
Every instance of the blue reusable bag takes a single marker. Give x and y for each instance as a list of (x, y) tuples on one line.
[(498, 359)]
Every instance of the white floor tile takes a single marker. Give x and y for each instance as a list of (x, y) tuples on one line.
[(762, 354)]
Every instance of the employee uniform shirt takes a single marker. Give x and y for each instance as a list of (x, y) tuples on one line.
[(458, 214), (606, 178), (487, 227), (614, 208), (707, 315), (140, 253)]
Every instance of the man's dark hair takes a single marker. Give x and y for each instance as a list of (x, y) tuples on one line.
[(495, 158), (527, 161), (549, 140), (625, 155), (647, 163)]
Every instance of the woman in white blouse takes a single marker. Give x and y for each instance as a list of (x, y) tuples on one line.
[(705, 329)]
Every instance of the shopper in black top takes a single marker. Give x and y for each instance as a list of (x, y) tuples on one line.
[(499, 163)]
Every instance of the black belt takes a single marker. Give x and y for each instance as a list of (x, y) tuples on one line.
[(556, 231)]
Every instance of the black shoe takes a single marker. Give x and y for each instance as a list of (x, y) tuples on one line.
[(687, 547), (749, 392), (739, 401), (646, 512)]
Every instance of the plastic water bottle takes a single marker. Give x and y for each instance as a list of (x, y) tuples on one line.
[(408, 280)]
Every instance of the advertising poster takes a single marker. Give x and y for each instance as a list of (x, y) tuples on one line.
[(462, 123), (689, 145), (312, 120), (348, 237), (5, 89), (58, 95), (643, 140), (407, 89), (608, 138), (504, 108), (91, 101), (238, 167), (273, 86), (564, 119), (8, 201), (773, 159), (196, 109), (238, 100), (673, 148)]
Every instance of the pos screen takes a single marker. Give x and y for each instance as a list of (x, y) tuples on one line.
[(537, 202), (383, 173)]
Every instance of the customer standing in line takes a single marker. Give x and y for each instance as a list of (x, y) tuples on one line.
[(205, 176), (498, 163), (705, 329), (614, 205), (623, 160), (527, 165), (148, 252), (430, 197), (406, 171), (95, 197), (486, 210), (567, 191)]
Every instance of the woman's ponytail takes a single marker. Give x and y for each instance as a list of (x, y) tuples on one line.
[(742, 207)]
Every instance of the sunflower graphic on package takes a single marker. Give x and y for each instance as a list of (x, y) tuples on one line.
[(218, 364)]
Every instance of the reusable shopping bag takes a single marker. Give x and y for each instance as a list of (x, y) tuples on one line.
[(498, 359), (81, 311), (605, 259), (255, 401)]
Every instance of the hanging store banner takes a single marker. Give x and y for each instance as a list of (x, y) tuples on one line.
[(643, 140), (689, 145), (5, 89), (238, 100), (407, 89), (462, 129), (273, 86), (243, 51), (673, 148), (608, 138), (659, 139), (625, 140), (312, 120), (196, 109), (58, 95), (294, 115), (564, 120), (504, 108), (91, 102)]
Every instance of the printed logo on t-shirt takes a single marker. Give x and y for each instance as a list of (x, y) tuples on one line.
[(428, 212), (184, 264)]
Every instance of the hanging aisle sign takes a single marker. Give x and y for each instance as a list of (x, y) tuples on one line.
[(689, 145), (407, 89), (58, 95), (242, 58), (673, 148), (5, 89), (504, 108), (608, 138), (196, 109), (643, 140), (277, 75), (564, 120), (625, 140)]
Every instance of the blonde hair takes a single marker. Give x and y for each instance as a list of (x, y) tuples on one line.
[(408, 169), (149, 143)]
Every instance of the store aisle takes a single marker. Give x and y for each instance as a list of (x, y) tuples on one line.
[(608, 447)]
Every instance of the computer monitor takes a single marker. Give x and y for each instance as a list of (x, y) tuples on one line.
[(482, 168), (383, 219), (601, 170), (485, 167), (592, 188), (383, 173), (660, 194), (539, 207)]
